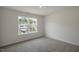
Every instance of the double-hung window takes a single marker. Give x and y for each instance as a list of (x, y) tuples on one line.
[(26, 25)]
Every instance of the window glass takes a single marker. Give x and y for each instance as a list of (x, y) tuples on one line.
[(27, 25)]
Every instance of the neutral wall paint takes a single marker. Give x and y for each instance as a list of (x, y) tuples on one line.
[(0, 24), (63, 25), (9, 26)]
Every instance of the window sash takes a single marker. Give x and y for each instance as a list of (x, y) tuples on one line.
[(26, 28)]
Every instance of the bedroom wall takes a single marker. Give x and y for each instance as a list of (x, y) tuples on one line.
[(9, 26), (63, 25), (0, 24)]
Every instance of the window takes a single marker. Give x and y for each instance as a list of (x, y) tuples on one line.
[(26, 25)]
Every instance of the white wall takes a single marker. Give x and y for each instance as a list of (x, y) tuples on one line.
[(9, 26), (63, 25), (0, 25)]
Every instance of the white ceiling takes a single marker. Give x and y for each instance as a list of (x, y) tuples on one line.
[(45, 10)]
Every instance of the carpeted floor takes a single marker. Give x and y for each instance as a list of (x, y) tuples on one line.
[(42, 44)]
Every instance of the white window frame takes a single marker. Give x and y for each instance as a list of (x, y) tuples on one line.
[(27, 26)]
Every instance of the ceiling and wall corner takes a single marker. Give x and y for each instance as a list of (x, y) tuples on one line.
[(41, 10)]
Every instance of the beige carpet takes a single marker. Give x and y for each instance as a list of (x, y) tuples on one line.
[(41, 45)]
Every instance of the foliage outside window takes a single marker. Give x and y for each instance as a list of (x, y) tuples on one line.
[(26, 25)]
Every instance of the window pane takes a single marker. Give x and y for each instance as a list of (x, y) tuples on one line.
[(26, 25), (33, 28), (23, 25), (32, 21)]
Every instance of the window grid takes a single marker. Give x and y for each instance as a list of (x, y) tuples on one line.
[(26, 25)]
